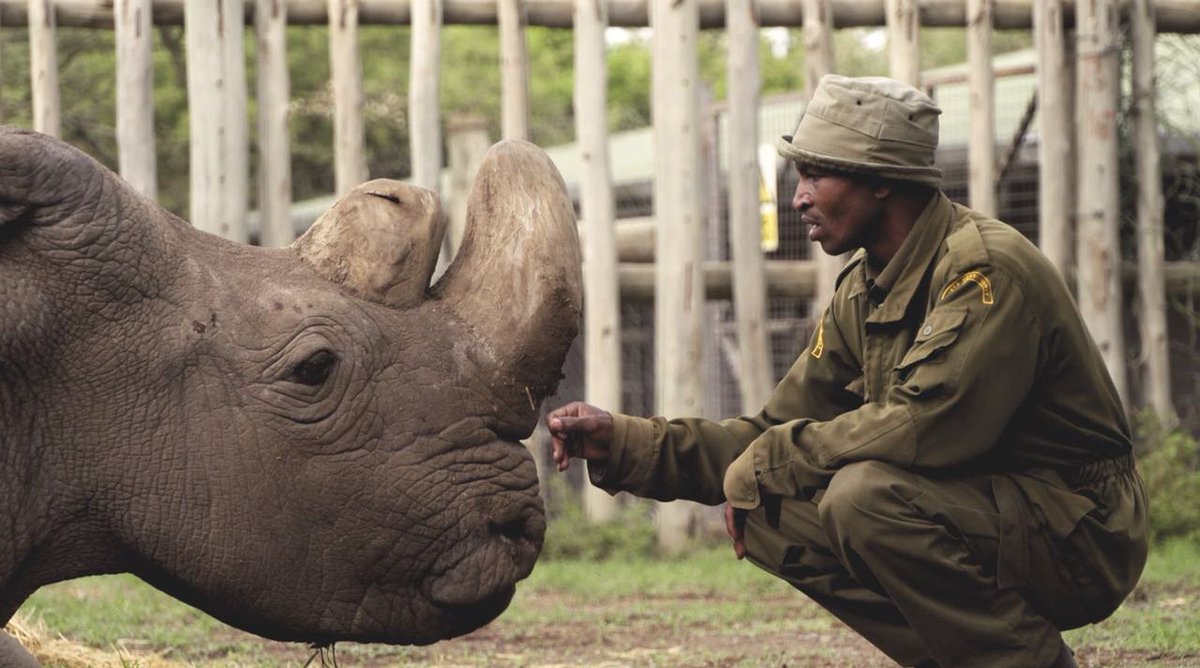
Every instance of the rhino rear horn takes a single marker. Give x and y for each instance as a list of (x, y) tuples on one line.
[(516, 280), (380, 241)]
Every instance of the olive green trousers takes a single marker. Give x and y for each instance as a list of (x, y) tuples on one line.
[(979, 570)]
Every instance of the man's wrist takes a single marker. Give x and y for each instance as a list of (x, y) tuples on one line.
[(741, 482)]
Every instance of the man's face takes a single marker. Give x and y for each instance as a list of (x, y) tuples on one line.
[(842, 213)]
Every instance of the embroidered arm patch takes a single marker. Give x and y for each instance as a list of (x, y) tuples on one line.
[(985, 286)]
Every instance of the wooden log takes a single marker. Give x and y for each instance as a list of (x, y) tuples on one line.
[(679, 308), (1097, 238), (818, 61), (135, 96), (981, 151), (274, 143), (1173, 16), (514, 70), (796, 279), (602, 312), (1055, 167), (218, 124), (1152, 303), (349, 150), (43, 68), (745, 229), (904, 40)]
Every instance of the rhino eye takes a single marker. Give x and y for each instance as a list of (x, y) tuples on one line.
[(314, 369)]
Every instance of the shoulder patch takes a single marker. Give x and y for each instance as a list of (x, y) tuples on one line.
[(985, 286)]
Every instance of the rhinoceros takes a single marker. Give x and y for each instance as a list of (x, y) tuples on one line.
[(310, 443)]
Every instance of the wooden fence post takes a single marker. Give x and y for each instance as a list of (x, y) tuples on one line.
[(220, 154), (1099, 248), (602, 305), (424, 130), (274, 91), (1055, 184), (679, 286), (514, 70), (132, 25), (981, 172), (904, 40), (819, 61), (1156, 380), (466, 142), (43, 65), (350, 158), (745, 226)]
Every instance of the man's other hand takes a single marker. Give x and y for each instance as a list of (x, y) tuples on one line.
[(735, 526), (579, 430)]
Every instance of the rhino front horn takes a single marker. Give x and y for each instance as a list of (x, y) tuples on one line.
[(380, 241), (516, 280)]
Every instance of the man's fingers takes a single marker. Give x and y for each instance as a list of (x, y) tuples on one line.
[(568, 423)]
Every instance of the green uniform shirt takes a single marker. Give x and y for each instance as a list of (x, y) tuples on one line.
[(966, 353)]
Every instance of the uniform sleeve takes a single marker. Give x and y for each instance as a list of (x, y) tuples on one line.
[(687, 458), (969, 369)]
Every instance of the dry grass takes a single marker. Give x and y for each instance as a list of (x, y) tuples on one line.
[(58, 652)]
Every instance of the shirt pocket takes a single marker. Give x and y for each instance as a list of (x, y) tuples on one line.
[(939, 331)]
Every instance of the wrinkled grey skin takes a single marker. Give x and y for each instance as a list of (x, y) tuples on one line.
[(308, 443)]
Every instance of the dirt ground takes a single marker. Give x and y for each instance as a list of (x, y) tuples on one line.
[(636, 633)]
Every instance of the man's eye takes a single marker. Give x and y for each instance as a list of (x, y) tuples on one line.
[(314, 369)]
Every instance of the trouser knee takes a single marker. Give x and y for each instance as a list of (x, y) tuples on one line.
[(863, 502)]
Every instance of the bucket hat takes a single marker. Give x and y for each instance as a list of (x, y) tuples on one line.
[(867, 125)]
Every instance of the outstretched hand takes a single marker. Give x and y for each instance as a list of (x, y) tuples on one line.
[(579, 430)]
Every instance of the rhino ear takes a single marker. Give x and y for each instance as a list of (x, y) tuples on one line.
[(69, 201), (40, 177), (380, 241)]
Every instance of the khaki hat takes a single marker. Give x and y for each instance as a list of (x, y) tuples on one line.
[(867, 125)]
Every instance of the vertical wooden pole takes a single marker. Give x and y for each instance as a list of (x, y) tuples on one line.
[(904, 40), (679, 287), (1099, 249), (981, 181), (1156, 383), (819, 61), (514, 70), (43, 65), (274, 144), (602, 312), (350, 156), (133, 27), (220, 153), (425, 135), (1054, 136), (745, 233)]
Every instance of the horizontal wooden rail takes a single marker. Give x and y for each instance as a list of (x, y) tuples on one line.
[(798, 279), (1180, 16)]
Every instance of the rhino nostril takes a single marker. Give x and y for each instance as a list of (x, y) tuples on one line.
[(512, 530)]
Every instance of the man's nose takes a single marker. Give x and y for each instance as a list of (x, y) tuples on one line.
[(802, 199)]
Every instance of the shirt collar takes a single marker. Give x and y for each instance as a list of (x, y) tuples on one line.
[(894, 286)]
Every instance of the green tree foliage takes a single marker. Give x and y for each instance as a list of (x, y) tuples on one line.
[(1169, 460)]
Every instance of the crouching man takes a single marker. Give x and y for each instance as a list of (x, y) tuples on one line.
[(947, 466)]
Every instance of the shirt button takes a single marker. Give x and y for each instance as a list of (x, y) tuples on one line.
[(926, 330)]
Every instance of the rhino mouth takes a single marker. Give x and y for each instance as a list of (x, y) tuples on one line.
[(483, 569)]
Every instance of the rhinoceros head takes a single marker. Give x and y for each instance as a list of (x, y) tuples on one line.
[(310, 443)]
